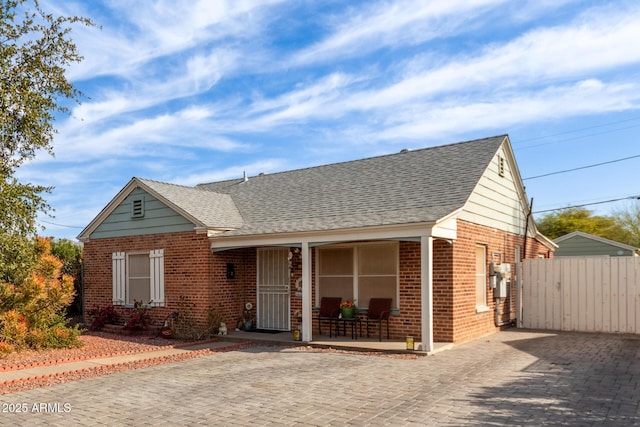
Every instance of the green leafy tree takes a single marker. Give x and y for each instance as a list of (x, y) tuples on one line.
[(70, 254), (628, 219), (35, 51), (568, 220)]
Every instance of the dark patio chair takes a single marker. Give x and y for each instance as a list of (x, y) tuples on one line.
[(379, 311), (329, 311)]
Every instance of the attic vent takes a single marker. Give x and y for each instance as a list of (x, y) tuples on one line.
[(137, 208), (405, 150), (501, 166)]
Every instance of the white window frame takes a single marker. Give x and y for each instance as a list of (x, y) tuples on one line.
[(120, 277), (355, 269), (480, 278)]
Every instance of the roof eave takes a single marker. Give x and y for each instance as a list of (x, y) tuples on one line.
[(397, 231)]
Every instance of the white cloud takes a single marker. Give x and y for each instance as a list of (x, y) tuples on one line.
[(153, 136), (388, 24), (197, 75), (538, 57), (592, 44), (131, 38), (503, 111)]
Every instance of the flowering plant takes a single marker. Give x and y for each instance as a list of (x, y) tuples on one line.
[(140, 317), (347, 304)]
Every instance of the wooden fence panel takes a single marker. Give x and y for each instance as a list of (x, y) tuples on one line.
[(590, 294)]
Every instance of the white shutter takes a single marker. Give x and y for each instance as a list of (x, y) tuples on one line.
[(119, 277), (156, 269)]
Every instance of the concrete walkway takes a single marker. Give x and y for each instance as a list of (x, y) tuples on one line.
[(40, 372)]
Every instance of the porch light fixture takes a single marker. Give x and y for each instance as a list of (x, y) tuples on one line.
[(231, 271)]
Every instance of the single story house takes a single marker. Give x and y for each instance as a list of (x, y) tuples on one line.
[(427, 228), (579, 243)]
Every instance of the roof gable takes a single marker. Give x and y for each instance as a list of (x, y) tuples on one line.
[(596, 239), (197, 207)]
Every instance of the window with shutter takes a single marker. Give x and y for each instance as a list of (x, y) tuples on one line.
[(119, 277), (139, 288), (156, 268), (138, 276)]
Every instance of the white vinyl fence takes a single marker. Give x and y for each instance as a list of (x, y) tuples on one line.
[(590, 294)]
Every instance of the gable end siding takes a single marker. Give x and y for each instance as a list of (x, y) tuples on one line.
[(158, 218), (495, 201)]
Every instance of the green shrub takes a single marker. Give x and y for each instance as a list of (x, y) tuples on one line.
[(33, 309), (185, 326)]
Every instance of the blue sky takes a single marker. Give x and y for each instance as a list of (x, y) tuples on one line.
[(198, 91)]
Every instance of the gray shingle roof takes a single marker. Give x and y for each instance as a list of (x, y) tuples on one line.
[(408, 187), (207, 207)]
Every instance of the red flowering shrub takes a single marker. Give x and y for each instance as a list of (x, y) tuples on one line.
[(103, 316), (139, 319)]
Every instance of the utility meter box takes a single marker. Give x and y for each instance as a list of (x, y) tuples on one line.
[(500, 290), (505, 271)]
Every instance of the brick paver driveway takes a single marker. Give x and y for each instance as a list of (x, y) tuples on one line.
[(509, 378)]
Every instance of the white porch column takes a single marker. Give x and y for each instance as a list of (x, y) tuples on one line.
[(307, 309), (426, 292)]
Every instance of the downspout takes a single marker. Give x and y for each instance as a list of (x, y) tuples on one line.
[(526, 230)]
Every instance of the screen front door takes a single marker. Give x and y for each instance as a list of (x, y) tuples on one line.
[(273, 289)]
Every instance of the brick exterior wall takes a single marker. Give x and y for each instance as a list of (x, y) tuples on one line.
[(197, 277), (195, 280)]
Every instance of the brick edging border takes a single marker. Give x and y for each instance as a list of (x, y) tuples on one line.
[(114, 354), (185, 356)]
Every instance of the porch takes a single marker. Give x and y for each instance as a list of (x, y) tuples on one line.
[(341, 342)]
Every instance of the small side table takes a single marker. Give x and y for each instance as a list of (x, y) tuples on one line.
[(353, 321)]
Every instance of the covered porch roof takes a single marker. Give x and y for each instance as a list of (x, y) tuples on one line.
[(425, 233)]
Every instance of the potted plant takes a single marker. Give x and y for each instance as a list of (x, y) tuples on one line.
[(348, 309)]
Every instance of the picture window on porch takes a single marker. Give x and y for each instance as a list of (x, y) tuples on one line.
[(358, 272)]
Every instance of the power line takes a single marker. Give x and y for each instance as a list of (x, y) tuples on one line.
[(582, 167), (577, 137), (582, 129), (589, 204), (59, 225)]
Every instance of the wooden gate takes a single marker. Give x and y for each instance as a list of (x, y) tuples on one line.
[(273, 289), (590, 294)]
